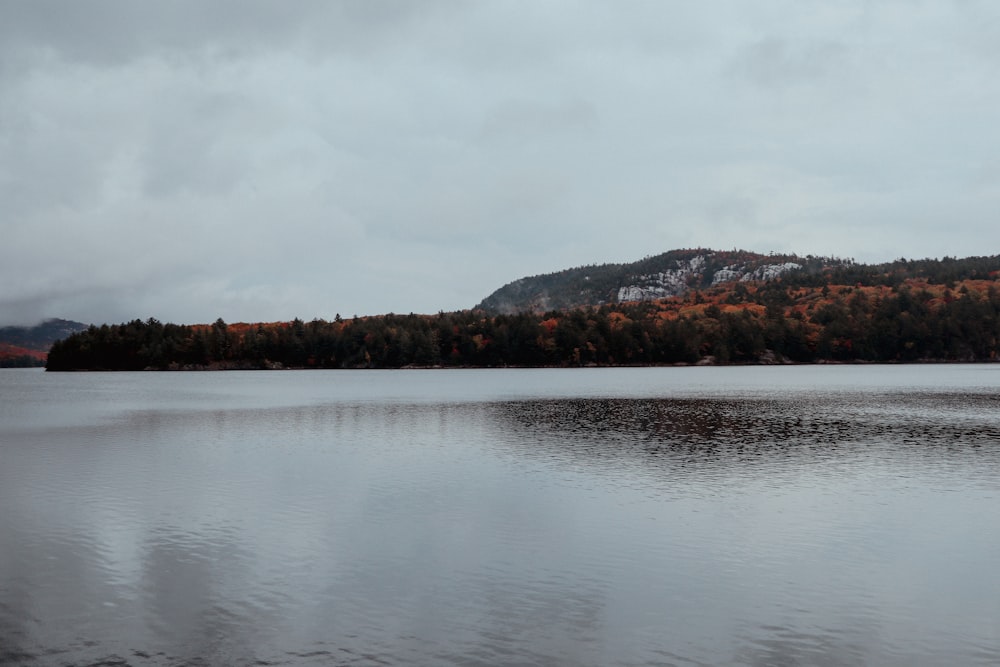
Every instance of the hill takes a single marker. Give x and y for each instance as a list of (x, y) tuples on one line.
[(670, 274), (827, 310), (29, 346)]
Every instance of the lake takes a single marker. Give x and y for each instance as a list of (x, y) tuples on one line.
[(803, 515)]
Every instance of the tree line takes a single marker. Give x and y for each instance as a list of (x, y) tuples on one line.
[(776, 321)]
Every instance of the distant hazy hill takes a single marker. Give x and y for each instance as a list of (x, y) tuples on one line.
[(673, 273), (28, 346)]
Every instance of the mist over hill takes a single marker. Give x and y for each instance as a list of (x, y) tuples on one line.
[(28, 346)]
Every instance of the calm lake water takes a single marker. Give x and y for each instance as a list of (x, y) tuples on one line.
[(838, 515)]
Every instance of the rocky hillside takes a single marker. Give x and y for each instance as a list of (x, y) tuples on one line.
[(670, 274)]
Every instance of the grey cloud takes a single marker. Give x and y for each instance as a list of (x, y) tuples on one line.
[(261, 161), (109, 32), (773, 62), (512, 118), (112, 32), (193, 142)]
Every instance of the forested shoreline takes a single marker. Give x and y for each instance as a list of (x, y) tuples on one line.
[(902, 321)]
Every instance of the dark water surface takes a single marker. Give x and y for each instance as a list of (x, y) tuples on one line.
[(675, 516)]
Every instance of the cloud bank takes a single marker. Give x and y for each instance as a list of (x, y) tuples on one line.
[(260, 161)]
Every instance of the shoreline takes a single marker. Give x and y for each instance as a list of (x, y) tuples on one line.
[(277, 366)]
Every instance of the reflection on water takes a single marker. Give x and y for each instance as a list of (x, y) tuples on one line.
[(739, 436), (268, 523)]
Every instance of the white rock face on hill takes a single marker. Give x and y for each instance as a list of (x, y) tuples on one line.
[(726, 275), (770, 271), (663, 284), (677, 282)]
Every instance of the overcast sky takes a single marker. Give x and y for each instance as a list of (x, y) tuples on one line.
[(269, 160)]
